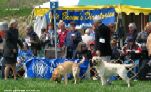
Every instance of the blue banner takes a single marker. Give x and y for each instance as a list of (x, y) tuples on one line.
[(84, 17), (43, 68)]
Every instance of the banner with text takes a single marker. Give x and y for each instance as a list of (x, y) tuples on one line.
[(84, 17)]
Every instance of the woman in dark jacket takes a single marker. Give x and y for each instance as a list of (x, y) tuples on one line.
[(11, 49)]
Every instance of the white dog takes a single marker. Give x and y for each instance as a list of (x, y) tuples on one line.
[(105, 69)]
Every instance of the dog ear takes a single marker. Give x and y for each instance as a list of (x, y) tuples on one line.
[(53, 77), (55, 74)]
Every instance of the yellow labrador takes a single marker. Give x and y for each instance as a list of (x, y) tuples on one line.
[(105, 69), (66, 68)]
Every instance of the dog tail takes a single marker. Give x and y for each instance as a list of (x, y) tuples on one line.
[(129, 65)]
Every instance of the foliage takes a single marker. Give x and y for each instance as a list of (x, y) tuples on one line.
[(20, 3), (17, 7), (15, 12)]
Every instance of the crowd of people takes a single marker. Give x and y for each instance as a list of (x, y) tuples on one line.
[(100, 39)]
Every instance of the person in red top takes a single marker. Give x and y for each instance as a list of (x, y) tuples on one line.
[(62, 33)]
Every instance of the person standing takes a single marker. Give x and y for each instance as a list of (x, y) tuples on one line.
[(72, 40), (146, 58), (35, 44), (11, 49), (29, 32), (44, 39), (3, 28), (102, 39), (148, 44), (62, 34), (51, 32), (32, 40)]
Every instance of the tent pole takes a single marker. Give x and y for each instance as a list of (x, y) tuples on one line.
[(141, 21), (55, 33), (144, 22), (149, 17), (117, 28), (121, 28), (117, 20)]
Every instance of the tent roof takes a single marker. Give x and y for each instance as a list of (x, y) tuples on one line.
[(127, 6), (140, 3)]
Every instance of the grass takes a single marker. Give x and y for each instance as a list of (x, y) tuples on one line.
[(42, 85)]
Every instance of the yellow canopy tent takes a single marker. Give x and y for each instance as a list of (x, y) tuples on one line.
[(131, 10), (141, 7), (127, 6)]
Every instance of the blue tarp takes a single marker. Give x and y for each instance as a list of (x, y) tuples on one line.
[(43, 68)]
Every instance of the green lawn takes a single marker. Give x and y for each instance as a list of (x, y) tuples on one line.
[(41, 85)]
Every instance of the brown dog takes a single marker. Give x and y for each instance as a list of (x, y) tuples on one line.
[(66, 68)]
